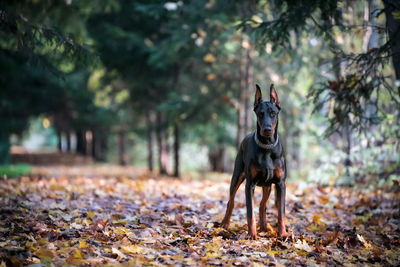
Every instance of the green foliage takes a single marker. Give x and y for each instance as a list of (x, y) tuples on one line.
[(182, 60), (16, 170), (358, 99), (281, 18)]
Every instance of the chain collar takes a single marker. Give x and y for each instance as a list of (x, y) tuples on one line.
[(265, 146)]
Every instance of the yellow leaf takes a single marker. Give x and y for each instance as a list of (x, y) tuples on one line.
[(396, 14), (363, 241), (120, 221), (29, 245), (43, 241), (202, 33), (255, 21), (133, 249), (82, 244), (44, 253), (317, 218), (272, 253), (210, 77), (178, 258), (323, 199), (90, 214), (77, 255), (209, 58), (74, 261), (271, 230), (301, 253), (121, 230)]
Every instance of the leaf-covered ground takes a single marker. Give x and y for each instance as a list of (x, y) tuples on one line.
[(110, 215)]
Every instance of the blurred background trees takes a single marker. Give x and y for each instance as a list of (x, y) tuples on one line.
[(170, 84)]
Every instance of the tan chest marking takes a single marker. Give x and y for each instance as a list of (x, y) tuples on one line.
[(278, 173)]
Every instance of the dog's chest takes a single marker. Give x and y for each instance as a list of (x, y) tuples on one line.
[(264, 161), (265, 165)]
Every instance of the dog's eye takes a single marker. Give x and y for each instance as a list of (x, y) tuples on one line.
[(261, 114), (272, 113)]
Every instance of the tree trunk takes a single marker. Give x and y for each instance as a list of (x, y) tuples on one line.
[(80, 142), (89, 143), (347, 133), (149, 140), (121, 146), (96, 145), (241, 105), (68, 137), (176, 150), (371, 36), (103, 146), (59, 141), (393, 28), (4, 147), (167, 151), (216, 158), (249, 91), (161, 146)]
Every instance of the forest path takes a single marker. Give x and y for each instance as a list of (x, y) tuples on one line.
[(130, 217)]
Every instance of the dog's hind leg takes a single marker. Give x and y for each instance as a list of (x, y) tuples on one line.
[(236, 181)]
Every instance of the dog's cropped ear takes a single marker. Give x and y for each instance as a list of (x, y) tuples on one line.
[(274, 96), (258, 96)]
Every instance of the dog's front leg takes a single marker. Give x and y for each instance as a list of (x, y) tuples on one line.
[(281, 192), (251, 223), (263, 206)]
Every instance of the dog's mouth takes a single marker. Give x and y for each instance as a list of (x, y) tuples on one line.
[(267, 134)]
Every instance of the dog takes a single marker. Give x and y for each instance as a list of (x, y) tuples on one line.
[(261, 162)]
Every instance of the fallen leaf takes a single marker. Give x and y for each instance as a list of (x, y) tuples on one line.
[(302, 245)]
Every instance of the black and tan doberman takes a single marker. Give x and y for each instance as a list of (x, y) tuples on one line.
[(261, 162)]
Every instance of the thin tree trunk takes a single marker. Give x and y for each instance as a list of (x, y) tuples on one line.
[(121, 146), (149, 140), (216, 158), (247, 9), (88, 138), (59, 141), (176, 150), (347, 133), (68, 137), (371, 36), (393, 28), (246, 125), (4, 147), (241, 106), (96, 145), (250, 87), (161, 146), (103, 146), (167, 151), (80, 142)]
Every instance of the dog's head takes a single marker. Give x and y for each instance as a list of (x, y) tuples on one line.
[(267, 112)]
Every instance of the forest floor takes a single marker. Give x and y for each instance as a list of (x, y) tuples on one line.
[(125, 216)]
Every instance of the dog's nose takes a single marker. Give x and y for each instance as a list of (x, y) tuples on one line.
[(267, 129)]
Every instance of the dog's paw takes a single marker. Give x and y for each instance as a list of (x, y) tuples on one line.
[(224, 225), (283, 234), (252, 236)]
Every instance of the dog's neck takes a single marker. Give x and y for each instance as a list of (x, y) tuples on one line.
[(266, 140)]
